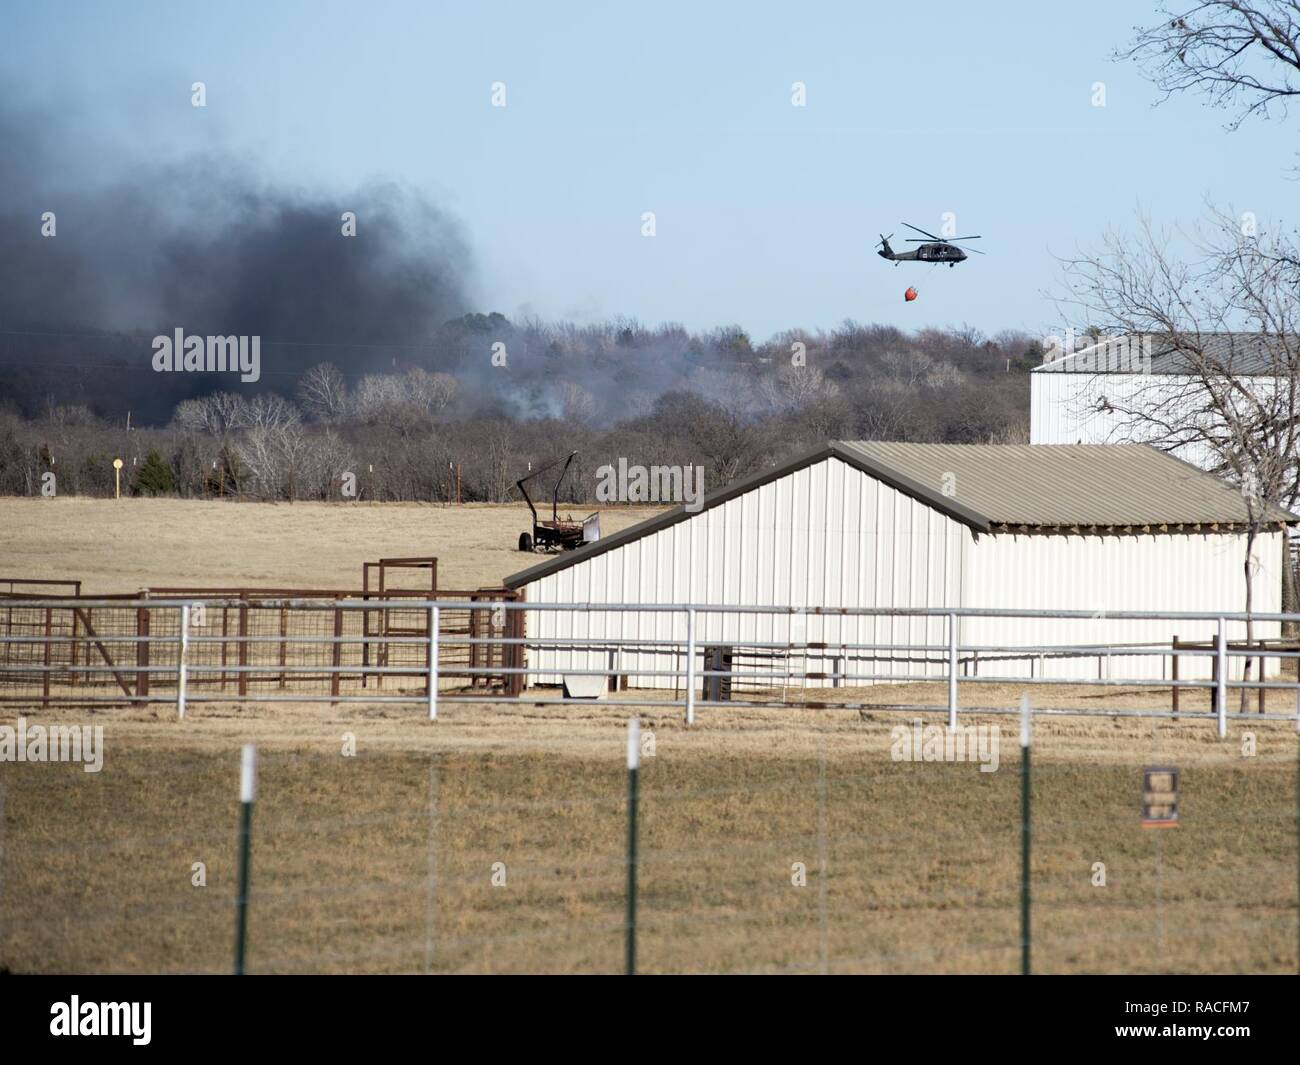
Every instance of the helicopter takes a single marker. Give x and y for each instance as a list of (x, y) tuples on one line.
[(932, 250)]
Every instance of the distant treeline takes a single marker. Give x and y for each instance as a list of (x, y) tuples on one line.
[(489, 397)]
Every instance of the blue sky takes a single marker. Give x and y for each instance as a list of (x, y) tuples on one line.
[(766, 213)]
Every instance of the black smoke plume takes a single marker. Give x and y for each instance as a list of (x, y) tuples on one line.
[(204, 244)]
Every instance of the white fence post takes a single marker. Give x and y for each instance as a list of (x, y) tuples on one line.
[(952, 672), (433, 663), (1221, 679), (690, 666), (180, 659)]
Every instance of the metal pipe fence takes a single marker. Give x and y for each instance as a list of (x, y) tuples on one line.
[(467, 647)]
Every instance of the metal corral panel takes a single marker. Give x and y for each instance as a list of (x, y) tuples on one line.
[(1101, 574), (826, 535)]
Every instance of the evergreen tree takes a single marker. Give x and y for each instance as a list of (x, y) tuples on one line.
[(155, 477)]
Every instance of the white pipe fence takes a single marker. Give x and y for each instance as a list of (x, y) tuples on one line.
[(32, 674)]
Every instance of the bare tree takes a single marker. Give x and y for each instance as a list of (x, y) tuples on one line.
[(793, 387), (909, 366), (326, 457), (1225, 322), (499, 457), (404, 402), (661, 394), (576, 403), (273, 455), (1242, 54), (432, 392), (217, 414), (67, 415), (374, 392), (323, 392), (268, 411)]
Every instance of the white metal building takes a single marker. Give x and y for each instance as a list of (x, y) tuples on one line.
[(1098, 528), (1096, 395)]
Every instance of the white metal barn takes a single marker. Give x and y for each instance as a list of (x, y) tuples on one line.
[(1090, 396), (874, 524)]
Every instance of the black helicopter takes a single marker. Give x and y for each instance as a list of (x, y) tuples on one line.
[(932, 250)]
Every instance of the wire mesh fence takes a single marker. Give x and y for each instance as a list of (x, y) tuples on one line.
[(827, 847), (881, 829)]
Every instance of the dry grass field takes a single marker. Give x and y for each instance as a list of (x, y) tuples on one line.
[(384, 860), (124, 545)]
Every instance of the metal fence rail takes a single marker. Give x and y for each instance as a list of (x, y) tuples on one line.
[(470, 647), (131, 650)]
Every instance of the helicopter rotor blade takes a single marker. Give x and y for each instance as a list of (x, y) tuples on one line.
[(940, 240), (918, 229)]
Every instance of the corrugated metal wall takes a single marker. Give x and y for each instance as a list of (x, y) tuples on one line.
[(1063, 407), (830, 536), (827, 535), (1193, 572)]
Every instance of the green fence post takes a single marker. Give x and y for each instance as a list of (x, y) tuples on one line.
[(247, 792), (1024, 835)]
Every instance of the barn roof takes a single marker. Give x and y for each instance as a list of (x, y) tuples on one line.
[(1239, 354), (1068, 484), (1052, 488)]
